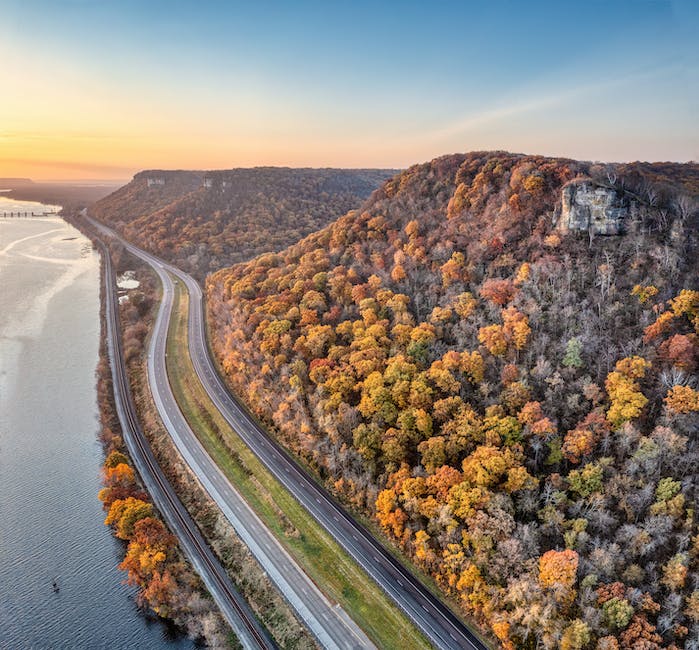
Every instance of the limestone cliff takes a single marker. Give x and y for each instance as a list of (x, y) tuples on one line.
[(587, 206)]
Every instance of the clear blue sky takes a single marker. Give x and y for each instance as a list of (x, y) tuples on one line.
[(106, 88)]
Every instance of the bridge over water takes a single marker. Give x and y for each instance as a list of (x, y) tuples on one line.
[(26, 213)]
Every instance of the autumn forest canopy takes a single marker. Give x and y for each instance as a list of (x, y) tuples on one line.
[(508, 391), (493, 355)]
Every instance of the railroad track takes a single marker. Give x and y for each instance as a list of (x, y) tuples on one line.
[(233, 606)]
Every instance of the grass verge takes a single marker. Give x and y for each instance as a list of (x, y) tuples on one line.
[(338, 576)]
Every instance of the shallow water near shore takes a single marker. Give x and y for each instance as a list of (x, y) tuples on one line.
[(50, 518)]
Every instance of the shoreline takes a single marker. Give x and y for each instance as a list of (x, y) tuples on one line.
[(50, 425), (113, 446)]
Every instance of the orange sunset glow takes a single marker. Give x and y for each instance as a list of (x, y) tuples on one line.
[(96, 90)]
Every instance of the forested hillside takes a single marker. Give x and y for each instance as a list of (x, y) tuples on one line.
[(496, 357), (204, 221), (148, 192)]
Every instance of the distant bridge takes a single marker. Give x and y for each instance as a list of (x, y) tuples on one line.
[(15, 215)]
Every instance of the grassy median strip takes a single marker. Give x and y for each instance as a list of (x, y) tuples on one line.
[(342, 580)]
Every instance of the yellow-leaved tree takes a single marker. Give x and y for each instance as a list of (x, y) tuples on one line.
[(627, 400)]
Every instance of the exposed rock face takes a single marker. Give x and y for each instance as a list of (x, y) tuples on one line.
[(593, 208)]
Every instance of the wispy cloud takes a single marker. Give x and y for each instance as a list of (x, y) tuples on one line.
[(537, 102)]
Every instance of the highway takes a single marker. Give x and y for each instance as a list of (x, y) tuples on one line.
[(328, 622), (438, 623), (232, 605)]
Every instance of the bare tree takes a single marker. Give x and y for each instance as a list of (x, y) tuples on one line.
[(685, 206)]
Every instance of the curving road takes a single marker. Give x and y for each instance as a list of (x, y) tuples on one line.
[(329, 623), (439, 624), (230, 602)]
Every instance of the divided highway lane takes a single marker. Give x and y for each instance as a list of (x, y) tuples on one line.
[(232, 605), (441, 626), (329, 623)]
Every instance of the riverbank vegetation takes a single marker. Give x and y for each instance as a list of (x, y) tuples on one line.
[(153, 561)]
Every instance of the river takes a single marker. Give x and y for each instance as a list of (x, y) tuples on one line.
[(50, 518)]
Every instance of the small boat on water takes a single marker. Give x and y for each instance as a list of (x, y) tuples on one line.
[(55, 586)]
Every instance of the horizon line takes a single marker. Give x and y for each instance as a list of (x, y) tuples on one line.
[(126, 179)]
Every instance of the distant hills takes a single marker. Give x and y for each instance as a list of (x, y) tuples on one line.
[(206, 220), (495, 356), (72, 196), (11, 183)]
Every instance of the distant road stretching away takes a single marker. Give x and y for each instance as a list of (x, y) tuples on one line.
[(232, 605), (328, 622), (440, 625)]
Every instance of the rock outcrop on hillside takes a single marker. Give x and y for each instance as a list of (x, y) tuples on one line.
[(588, 206)]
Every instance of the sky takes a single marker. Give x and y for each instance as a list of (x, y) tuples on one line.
[(101, 89)]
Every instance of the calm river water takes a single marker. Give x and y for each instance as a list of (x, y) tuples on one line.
[(50, 518)]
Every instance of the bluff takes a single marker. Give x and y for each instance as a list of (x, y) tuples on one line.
[(148, 192), (495, 357), (203, 221)]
